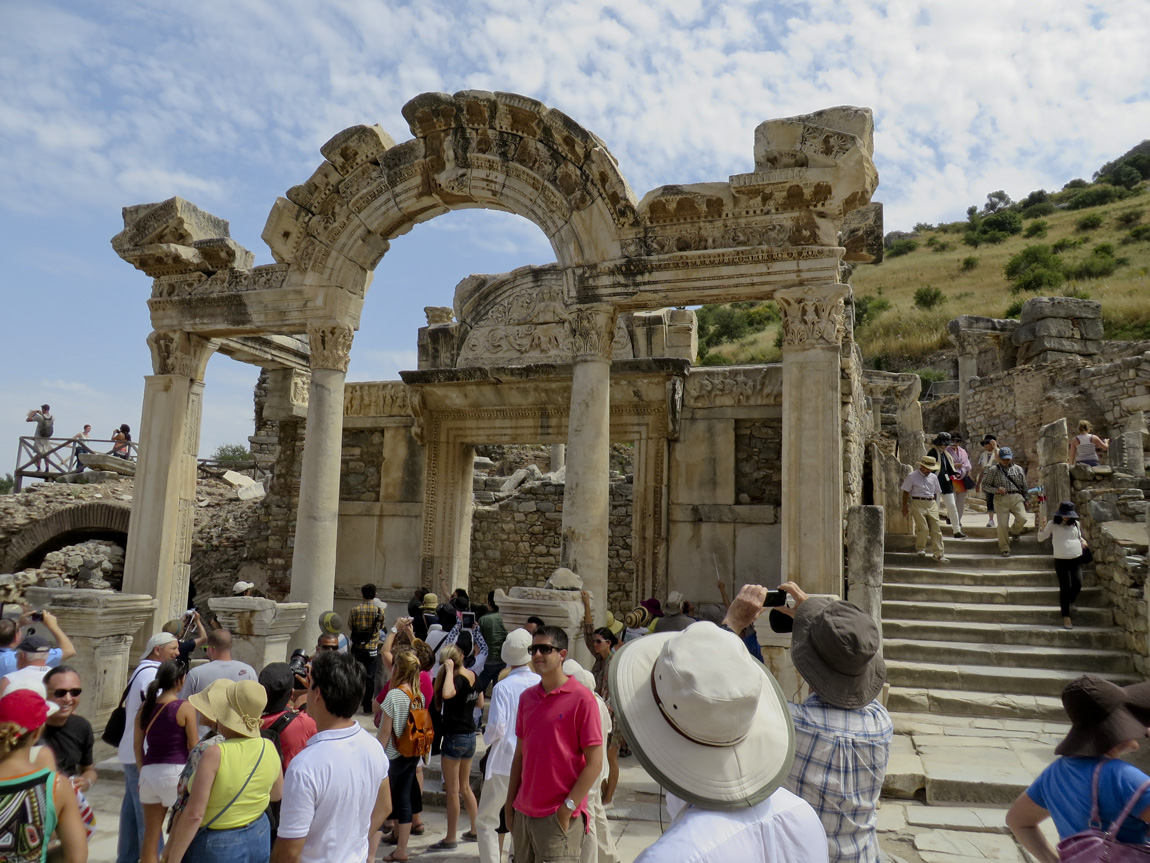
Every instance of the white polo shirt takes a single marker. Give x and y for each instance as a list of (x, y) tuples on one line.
[(329, 793), (500, 732), (922, 486), (139, 679)]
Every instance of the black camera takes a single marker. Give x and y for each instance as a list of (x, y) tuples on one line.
[(36, 615), (775, 598)]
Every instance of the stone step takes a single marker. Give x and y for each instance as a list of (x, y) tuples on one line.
[(989, 594), (933, 574), (983, 678), (957, 702), (1014, 656), (969, 544), (989, 613), (1039, 635), (961, 560)]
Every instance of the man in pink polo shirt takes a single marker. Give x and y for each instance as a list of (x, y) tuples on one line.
[(557, 759)]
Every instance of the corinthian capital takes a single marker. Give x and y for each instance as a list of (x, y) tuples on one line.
[(180, 354), (813, 317), (330, 346), (592, 331)]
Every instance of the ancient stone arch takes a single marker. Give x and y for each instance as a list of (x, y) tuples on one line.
[(70, 525), (777, 232)]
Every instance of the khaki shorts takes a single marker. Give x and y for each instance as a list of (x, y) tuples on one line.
[(540, 840)]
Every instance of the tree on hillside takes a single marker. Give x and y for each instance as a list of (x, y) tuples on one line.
[(997, 201)]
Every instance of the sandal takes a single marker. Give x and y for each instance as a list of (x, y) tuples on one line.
[(470, 836), (395, 859), (443, 845), (417, 831)]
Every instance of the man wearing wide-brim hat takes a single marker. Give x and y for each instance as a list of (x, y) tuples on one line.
[(711, 726), (843, 734), (920, 496)]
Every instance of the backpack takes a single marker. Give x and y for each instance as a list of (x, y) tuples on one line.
[(417, 733), (273, 731), (45, 427)]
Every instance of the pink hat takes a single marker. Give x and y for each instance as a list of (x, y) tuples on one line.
[(24, 708)]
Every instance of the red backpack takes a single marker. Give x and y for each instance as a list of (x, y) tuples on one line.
[(417, 732)]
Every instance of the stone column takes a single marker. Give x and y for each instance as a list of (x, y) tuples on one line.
[(99, 622), (317, 518), (558, 457), (260, 628), (865, 546), (586, 497), (1053, 466), (812, 436), (1132, 443), (967, 344), (164, 498)]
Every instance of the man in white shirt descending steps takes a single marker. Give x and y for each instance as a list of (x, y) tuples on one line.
[(336, 792), (500, 739), (920, 496)]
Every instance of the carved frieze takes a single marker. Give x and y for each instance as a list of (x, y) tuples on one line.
[(734, 386), (300, 389), (230, 281), (419, 414), (386, 399), (330, 346), (812, 317)]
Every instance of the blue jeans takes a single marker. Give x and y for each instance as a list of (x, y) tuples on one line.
[(131, 818), (251, 844)]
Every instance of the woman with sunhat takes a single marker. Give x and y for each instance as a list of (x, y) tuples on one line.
[(224, 821), (1068, 543), (40, 800), (1107, 721)]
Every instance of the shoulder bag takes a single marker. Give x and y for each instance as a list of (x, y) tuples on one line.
[(1087, 556), (113, 732), (1094, 845)]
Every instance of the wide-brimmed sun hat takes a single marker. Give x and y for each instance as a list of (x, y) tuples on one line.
[(929, 462), (653, 607), (706, 720), (1066, 510), (237, 705), (942, 438), (637, 618), (835, 648), (430, 603), (674, 603), (514, 650), (616, 626), (1102, 715)]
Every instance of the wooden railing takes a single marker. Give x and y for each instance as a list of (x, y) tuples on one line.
[(58, 456)]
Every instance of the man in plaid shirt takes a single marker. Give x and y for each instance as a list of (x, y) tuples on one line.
[(842, 734), (365, 621), (1007, 482)]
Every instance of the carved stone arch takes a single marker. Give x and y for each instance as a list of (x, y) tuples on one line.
[(65, 527), (474, 149)]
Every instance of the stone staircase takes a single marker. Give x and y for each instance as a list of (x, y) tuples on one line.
[(977, 659)]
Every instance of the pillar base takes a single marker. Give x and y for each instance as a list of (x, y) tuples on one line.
[(260, 628)]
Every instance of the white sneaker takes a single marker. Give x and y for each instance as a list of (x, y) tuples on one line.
[(990, 522), (922, 552), (942, 560)]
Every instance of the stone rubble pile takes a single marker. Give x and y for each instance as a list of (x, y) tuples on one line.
[(97, 564)]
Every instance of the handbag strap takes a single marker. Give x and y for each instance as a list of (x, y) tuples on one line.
[(156, 716), (242, 787)]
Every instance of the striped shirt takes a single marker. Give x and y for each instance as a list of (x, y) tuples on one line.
[(840, 763)]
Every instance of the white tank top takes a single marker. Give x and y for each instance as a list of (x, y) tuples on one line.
[(1086, 449)]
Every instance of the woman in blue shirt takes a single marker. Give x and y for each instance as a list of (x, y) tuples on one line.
[(1107, 721)]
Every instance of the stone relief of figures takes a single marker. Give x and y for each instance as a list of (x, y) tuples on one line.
[(734, 387), (388, 399)]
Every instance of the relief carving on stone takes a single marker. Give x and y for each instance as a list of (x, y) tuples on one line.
[(330, 346), (179, 354), (592, 331), (736, 386), (674, 406), (418, 413), (813, 317), (387, 399), (300, 391)]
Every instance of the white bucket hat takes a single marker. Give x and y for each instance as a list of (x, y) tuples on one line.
[(706, 720), (514, 651)]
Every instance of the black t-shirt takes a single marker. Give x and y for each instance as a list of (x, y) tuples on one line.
[(71, 743), (458, 716)]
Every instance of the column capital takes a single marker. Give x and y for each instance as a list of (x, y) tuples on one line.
[(180, 354), (813, 317), (592, 331), (330, 346)]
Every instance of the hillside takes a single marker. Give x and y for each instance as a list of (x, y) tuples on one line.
[(1090, 246)]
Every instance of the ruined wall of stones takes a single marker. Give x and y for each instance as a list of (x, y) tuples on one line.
[(516, 541), (1119, 389), (361, 464), (857, 423), (759, 461), (264, 441), (277, 519)]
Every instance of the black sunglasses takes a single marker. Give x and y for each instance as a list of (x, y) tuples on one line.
[(329, 647), (545, 649), (75, 693)]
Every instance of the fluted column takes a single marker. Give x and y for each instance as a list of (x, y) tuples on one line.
[(158, 555), (586, 496), (317, 517), (813, 327)]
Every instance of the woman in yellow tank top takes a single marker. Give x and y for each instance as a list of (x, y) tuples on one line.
[(224, 821)]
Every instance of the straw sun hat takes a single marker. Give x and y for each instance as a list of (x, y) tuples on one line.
[(706, 720), (237, 706)]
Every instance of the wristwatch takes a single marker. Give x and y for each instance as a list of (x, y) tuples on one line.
[(570, 804)]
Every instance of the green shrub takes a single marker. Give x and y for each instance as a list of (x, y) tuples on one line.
[(1004, 221), (1034, 269), (1129, 217), (927, 297), (1077, 183), (922, 227), (972, 239), (1140, 233), (1126, 176), (713, 359), (1096, 196), (968, 263), (1063, 244), (1089, 223), (720, 324), (1014, 310), (232, 454), (7, 483), (994, 237), (867, 308), (1036, 228), (1100, 263), (901, 247), (941, 247), (929, 376), (1044, 208)]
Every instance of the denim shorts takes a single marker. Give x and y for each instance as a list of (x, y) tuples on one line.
[(458, 746)]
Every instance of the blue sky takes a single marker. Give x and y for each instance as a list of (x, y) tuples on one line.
[(227, 103)]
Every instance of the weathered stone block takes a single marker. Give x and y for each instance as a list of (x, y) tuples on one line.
[(1059, 307)]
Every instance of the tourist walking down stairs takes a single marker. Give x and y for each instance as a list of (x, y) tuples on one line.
[(1069, 547)]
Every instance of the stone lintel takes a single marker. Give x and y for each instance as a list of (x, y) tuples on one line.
[(385, 509), (725, 514), (541, 371), (746, 412)]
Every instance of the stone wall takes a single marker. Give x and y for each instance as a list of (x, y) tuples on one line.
[(361, 464), (759, 461), (277, 519), (516, 541), (1119, 389)]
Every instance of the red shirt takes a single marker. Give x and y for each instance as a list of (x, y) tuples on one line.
[(554, 728), (426, 688), (294, 737)]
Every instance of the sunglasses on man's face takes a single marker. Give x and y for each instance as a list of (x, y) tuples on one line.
[(329, 647), (60, 693), (545, 649)]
